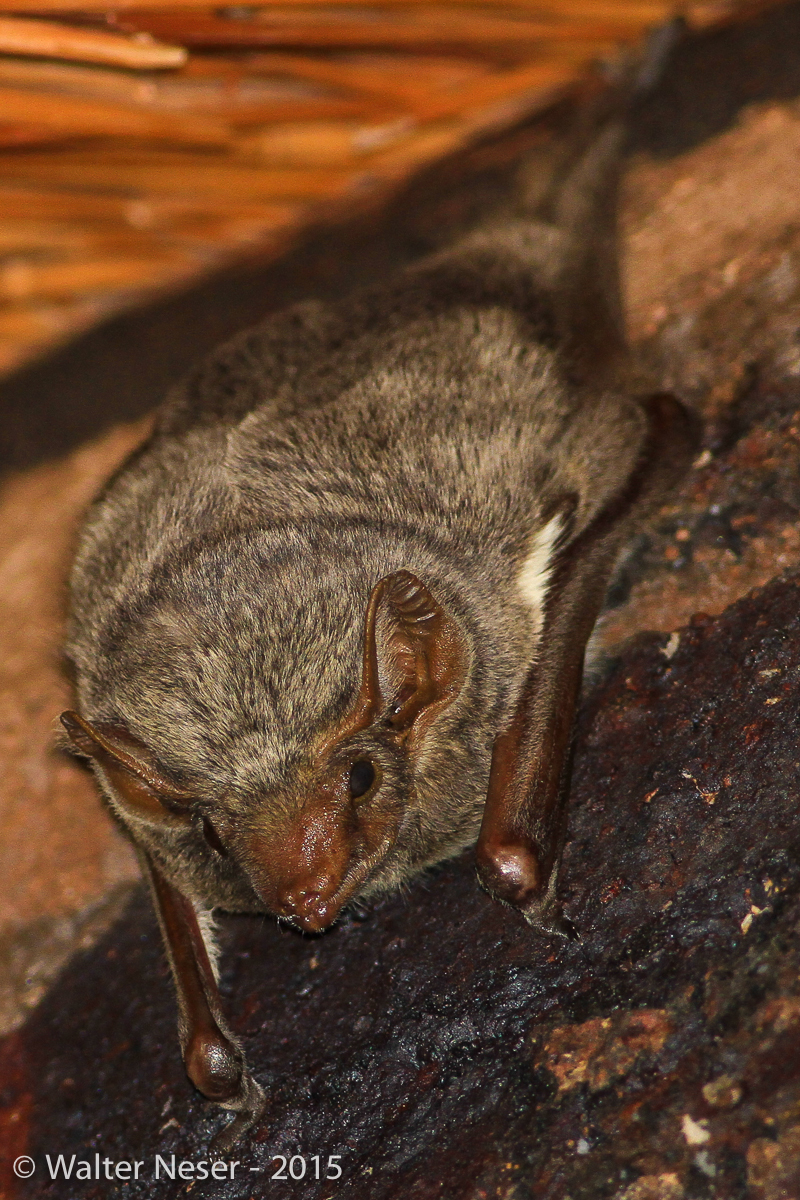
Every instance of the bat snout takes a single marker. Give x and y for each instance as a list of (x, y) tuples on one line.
[(309, 866), (300, 873), (310, 902)]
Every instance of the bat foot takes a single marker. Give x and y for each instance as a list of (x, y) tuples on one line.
[(231, 1134), (552, 921), (253, 1102)]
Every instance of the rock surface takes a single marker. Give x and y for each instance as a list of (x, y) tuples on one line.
[(440, 1048), (61, 860), (714, 305), (437, 1046)]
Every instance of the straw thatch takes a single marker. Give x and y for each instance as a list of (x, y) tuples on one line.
[(145, 145)]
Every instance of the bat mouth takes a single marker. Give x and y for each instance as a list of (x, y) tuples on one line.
[(312, 912)]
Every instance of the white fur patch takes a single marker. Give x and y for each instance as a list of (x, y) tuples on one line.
[(205, 921), (534, 577)]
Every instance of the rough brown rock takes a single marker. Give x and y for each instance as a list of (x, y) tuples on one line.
[(437, 1046), (62, 862), (442, 1049), (728, 349)]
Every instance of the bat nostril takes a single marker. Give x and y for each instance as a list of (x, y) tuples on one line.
[(301, 901), (304, 897)]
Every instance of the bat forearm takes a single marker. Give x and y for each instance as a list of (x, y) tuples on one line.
[(525, 818), (212, 1056)]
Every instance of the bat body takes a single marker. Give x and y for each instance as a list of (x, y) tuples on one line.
[(329, 623)]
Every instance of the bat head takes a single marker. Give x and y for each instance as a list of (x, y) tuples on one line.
[(342, 818)]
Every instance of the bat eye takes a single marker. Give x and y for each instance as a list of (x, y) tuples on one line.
[(362, 777), (212, 837)]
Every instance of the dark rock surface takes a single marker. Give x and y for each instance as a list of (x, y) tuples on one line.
[(443, 1050), (735, 521), (437, 1046)]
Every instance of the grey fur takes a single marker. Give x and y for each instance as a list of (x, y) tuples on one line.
[(434, 425), (221, 579)]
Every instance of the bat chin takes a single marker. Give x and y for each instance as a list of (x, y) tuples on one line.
[(315, 922)]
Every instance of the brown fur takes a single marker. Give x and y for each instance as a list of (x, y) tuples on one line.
[(368, 543)]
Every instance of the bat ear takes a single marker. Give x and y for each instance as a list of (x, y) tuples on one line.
[(415, 654), (141, 790)]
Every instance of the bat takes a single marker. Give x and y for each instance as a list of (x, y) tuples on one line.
[(329, 624)]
